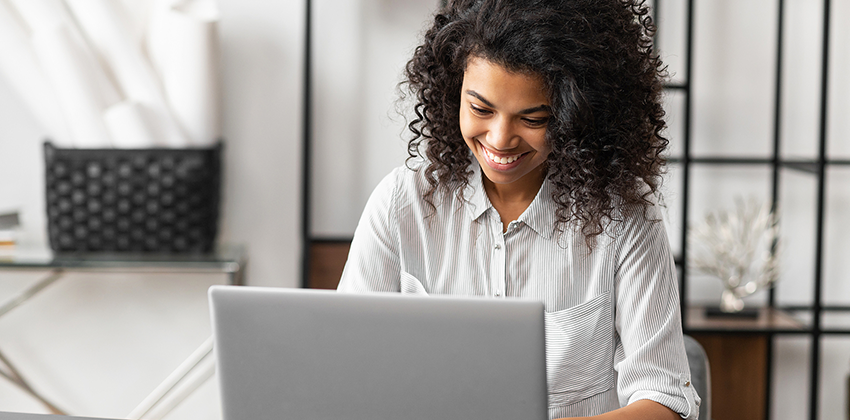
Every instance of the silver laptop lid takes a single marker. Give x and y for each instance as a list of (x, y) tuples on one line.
[(314, 354)]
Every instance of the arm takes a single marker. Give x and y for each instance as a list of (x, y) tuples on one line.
[(654, 367), (638, 410), (373, 262)]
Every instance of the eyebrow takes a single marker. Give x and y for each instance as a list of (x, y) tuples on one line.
[(523, 112)]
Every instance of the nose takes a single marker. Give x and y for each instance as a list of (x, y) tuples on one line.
[(501, 134)]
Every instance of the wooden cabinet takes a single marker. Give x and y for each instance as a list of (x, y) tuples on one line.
[(327, 259), (739, 354)]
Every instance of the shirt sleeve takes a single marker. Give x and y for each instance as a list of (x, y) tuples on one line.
[(373, 260), (654, 364)]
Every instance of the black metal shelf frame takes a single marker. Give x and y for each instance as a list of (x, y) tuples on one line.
[(809, 166), (306, 144), (814, 166)]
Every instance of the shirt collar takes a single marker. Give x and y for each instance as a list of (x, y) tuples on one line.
[(539, 216)]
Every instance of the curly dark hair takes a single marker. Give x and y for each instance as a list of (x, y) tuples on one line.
[(604, 82)]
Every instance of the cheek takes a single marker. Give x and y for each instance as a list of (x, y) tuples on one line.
[(464, 125), (541, 144), (537, 141), (469, 126), (542, 148), (465, 133)]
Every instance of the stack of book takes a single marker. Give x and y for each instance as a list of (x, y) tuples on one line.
[(9, 223)]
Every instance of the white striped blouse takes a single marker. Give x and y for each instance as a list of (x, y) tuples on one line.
[(613, 328)]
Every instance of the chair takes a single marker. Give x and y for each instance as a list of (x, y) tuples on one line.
[(700, 375)]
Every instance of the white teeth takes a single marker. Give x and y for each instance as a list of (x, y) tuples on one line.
[(502, 160)]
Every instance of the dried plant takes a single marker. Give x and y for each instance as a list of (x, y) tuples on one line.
[(738, 247)]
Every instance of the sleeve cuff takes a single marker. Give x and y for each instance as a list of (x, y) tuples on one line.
[(686, 404)]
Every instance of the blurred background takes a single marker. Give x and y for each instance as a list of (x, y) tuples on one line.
[(757, 106)]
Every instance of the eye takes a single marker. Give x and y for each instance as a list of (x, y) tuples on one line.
[(536, 122), (479, 111)]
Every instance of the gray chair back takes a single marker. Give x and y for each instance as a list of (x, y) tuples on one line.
[(700, 375)]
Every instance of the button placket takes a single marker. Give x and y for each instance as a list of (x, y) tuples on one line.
[(497, 268)]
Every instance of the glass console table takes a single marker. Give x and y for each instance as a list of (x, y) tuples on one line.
[(230, 260)]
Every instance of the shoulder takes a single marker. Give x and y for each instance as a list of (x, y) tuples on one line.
[(411, 182), (403, 187), (404, 181), (630, 220), (651, 207)]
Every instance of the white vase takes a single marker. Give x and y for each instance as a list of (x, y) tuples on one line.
[(730, 302)]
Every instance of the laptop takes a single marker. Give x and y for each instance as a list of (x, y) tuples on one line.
[(305, 354)]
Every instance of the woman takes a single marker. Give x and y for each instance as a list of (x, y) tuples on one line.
[(535, 159)]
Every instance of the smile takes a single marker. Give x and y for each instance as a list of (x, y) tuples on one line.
[(504, 160)]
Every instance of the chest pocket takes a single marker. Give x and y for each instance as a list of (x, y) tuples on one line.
[(580, 350)]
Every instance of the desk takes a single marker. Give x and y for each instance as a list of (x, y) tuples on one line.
[(24, 416), (229, 260)]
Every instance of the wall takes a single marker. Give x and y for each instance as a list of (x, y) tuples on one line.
[(262, 65), (263, 62), (360, 49), (98, 344)]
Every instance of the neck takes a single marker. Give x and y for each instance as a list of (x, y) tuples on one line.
[(516, 195)]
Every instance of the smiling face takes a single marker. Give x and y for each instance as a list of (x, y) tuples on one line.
[(503, 118)]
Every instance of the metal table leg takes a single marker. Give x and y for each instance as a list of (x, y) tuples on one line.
[(7, 369), (159, 396), (31, 291), (15, 377)]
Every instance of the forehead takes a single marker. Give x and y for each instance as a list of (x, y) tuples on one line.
[(496, 82)]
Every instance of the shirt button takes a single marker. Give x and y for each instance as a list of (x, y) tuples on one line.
[(498, 246)]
